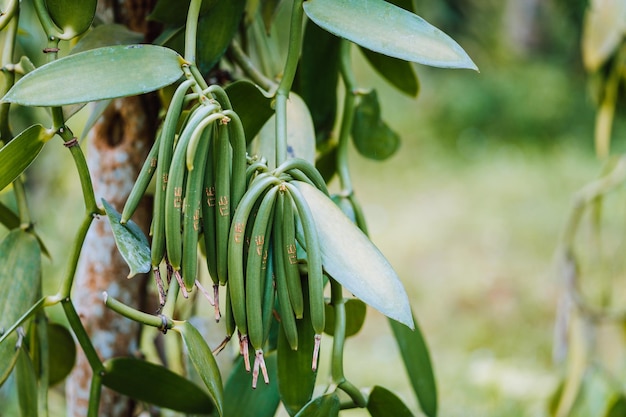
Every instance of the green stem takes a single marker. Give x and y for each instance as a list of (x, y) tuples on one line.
[(33, 309), (347, 118), (170, 302), (68, 280), (8, 13), (51, 30), (44, 371), (238, 56), (161, 322), (191, 29), (289, 73), (8, 76), (81, 335), (94, 395)]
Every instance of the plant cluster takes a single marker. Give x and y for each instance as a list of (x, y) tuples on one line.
[(234, 177)]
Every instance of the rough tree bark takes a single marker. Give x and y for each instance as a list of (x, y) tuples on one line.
[(117, 147)]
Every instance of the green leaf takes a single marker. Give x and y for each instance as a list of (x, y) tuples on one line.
[(62, 353), (8, 218), (355, 317), (372, 137), (204, 362), (26, 380), (384, 403), (252, 107), (73, 17), (388, 29), (269, 8), (20, 280), (156, 385), (241, 400), (618, 408), (18, 154), (352, 259), (327, 405), (398, 72), (174, 12), (98, 74), (417, 364), (296, 379), (216, 30), (130, 240), (318, 74), (107, 35)]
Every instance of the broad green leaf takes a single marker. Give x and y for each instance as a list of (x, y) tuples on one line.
[(18, 154), (352, 259), (73, 17), (174, 12), (417, 364), (98, 74), (204, 363), (62, 353), (398, 72), (252, 107), (389, 30), (327, 405), (216, 30), (107, 35), (355, 317), (618, 408), (371, 135), (240, 400), (20, 279), (155, 384), (603, 31), (26, 381), (9, 219), (318, 73), (384, 403), (130, 240), (296, 379), (300, 133)]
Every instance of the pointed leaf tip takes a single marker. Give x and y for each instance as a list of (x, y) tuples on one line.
[(390, 30)]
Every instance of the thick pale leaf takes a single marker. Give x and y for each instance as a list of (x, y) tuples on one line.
[(352, 259), (371, 135), (18, 154), (73, 17), (204, 363), (317, 77), (107, 35), (26, 380), (300, 133), (296, 379), (398, 72), (62, 353), (417, 364), (603, 31), (327, 405), (240, 400), (8, 218), (384, 403), (130, 240), (20, 278), (355, 317), (156, 385), (216, 30), (98, 74), (252, 107), (388, 29)]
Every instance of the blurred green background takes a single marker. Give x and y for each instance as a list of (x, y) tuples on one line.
[(469, 210)]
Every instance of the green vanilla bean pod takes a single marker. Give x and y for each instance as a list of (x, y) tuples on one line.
[(254, 283), (166, 149), (269, 284), (314, 262), (143, 180), (191, 214), (237, 138), (236, 241), (304, 166), (222, 190), (287, 317), (290, 256), (174, 197)]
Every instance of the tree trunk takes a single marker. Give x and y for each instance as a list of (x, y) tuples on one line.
[(117, 147)]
